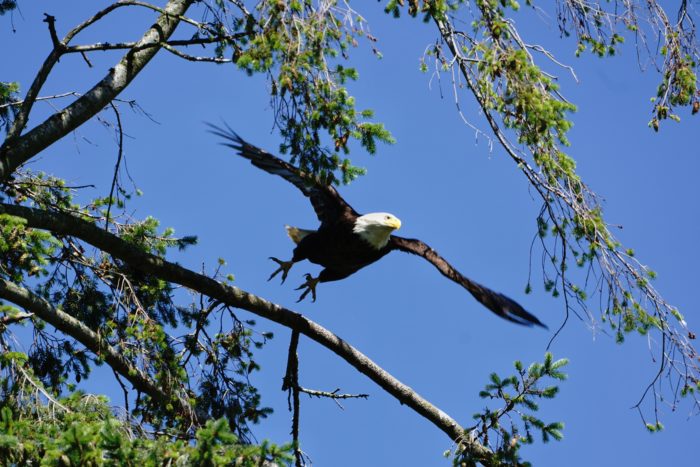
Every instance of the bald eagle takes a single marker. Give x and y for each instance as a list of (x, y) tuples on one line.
[(346, 241)]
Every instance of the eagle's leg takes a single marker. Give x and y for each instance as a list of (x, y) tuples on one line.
[(310, 286), (284, 268)]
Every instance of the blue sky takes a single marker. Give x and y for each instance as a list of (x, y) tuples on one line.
[(449, 189)]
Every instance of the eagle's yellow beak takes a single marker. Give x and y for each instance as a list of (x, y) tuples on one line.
[(394, 223)]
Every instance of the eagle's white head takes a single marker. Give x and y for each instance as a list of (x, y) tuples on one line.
[(376, 227)]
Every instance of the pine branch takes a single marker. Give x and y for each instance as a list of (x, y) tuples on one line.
[(13, 319)]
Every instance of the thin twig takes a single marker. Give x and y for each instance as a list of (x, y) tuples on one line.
[(15, 318), (120, 152), (332, 394), (291, 385)]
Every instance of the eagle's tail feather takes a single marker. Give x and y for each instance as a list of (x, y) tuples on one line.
[(297, 234)]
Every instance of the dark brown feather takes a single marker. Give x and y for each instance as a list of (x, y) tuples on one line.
[(494, 301), (327, 203)]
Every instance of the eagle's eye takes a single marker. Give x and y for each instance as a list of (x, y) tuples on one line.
[(387, 217)]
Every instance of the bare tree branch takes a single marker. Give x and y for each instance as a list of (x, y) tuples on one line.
[(65, 224), (41, 98), (195, 58), (18, 149), (103, 46), (335, 394)]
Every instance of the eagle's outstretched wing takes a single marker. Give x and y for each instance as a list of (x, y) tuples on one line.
[(327, 203), (494, 301)]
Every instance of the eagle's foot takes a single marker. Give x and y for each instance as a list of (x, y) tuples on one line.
[(310, 286), (284, 268)]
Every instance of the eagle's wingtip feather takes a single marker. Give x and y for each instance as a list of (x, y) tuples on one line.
[(514, 312), (228, 133)]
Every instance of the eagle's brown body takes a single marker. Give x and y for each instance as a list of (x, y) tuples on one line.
[(340, 251)]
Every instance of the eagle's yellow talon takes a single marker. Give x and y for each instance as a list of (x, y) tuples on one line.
[(284, 268), (310, 286)]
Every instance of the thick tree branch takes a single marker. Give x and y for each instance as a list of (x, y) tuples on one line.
[(90, 339), (65, 224), (18, 149)]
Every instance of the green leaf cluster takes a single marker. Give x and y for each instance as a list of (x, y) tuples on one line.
[(145, 235), (298, 46), (24, 252), (41, 190), (232, 398), (512, 85), (598, 45), (628, 315), (7, 5), (519, 393), (8, 91), (429, 8), (90, 435), (679, 86)]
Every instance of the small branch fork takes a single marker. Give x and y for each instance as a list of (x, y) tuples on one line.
[(335, 395), (120, 154), (290, 383)]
